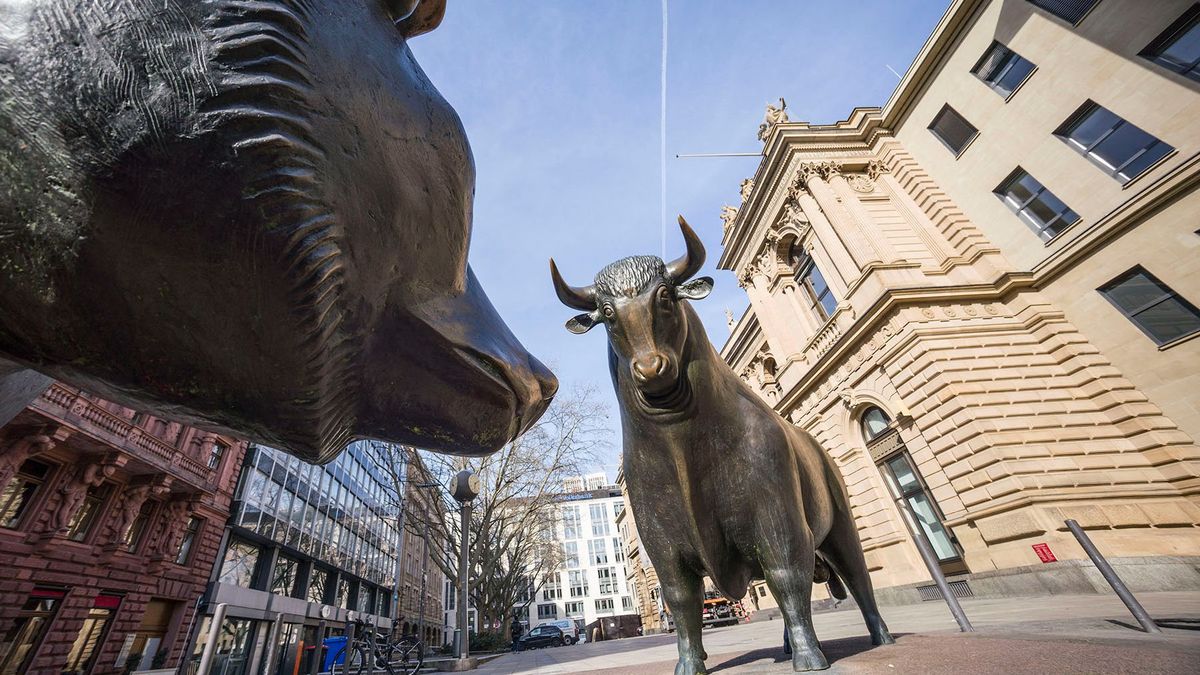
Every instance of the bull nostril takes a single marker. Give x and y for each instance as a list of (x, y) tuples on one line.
[(660, 365)]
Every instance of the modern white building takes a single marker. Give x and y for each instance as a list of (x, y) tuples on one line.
[(591, 582)]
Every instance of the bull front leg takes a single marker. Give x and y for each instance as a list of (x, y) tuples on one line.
[(683, 590), (787, 560)]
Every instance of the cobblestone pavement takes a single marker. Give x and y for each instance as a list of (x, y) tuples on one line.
[(1060, 634)]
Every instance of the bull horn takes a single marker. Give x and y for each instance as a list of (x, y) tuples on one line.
[(583, 298), (682, 268)]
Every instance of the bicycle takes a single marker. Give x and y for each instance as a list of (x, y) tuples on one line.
[(404, 656)]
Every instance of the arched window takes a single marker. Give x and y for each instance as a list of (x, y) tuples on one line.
[(874, 423)]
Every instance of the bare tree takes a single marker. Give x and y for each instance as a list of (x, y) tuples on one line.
[(513, 547)]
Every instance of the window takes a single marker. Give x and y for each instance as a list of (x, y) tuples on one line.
[(283, 577), (1002, 69), (1044, 213), (133, 535), (189, 538), (820, 299), (578, 583), (607, 578), (571, 554), (552, 590), (570, 518), (618, 550), (81, 523), (343, 593), (91, 634), (547, 611), (952, 129), (599, 516), (217, 453), (1152, 306), (21, 641), (874, 423), (1178, 47), (905, 481), (575, 608), (1121, 149), (17, 495), (604, 605), (237, 568), (626, 603), (1071, 11), (597, 552)]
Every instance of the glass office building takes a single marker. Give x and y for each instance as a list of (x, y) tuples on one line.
[(305, 544)]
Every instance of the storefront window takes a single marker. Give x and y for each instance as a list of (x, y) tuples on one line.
[(21, 641), (238, 566), (91, 634), (283, 579)]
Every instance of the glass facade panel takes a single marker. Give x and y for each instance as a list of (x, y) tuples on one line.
[(237, 568), (599, 516), (338, 514)]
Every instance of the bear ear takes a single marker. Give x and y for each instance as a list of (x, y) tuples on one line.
[(425, 17), (696, 289), (581, 323)]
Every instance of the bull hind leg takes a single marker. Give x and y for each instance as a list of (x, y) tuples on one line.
[(788, 568), (843, 551), (684, 592)]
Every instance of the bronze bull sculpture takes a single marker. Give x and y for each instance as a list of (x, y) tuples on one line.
[(249, 215), (720, 483)]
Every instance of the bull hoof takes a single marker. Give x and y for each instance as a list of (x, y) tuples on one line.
[(690, 667), (883, 639), (803, 662)]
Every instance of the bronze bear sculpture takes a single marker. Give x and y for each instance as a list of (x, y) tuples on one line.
[(719, 482), (252, 216)]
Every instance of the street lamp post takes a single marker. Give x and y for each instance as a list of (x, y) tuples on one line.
[(464, 488)]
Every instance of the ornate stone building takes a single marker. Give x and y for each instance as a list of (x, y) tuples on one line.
[(110, 521), (640, 576), (981, 298)]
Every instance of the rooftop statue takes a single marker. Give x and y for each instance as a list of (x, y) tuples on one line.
[(720, 484), (774, 115), (251, 216)]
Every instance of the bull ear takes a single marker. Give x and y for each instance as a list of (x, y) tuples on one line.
[(581, 323), (414, 18), (696, 289)]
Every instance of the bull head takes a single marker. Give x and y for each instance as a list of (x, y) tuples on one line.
[(252, 216), (639, 301)]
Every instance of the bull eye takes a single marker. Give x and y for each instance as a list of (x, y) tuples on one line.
[(608, 312), (663, 296)]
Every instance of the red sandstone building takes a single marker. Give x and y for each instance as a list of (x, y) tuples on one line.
[(109, 524)]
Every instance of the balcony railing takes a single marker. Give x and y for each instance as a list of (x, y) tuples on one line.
[(71, 406)]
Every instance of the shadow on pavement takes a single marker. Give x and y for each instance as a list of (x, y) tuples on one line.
[(835, 650)]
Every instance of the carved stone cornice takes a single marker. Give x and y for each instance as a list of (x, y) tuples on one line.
[(828, 169)]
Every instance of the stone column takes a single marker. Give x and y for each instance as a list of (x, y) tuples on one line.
[(815, 179), (876, 245), (785, 342), (795, 298), (843, 267)]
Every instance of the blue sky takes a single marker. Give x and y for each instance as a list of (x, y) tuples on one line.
[(560, 99)]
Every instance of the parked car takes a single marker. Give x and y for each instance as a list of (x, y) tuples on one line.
[(569, 628), (545, 635)]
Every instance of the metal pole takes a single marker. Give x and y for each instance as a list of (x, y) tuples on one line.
[(424, 571), (399, 547), (210, 645), (1110, 575), (931, 562), (464, 639)]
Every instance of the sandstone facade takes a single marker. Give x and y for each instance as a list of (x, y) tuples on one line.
[(1004, 374)]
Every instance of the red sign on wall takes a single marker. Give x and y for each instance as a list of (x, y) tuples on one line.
[(1044, 553)]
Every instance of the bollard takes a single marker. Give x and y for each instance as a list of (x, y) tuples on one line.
[(210, 644), (931, 561), (1110, 575)]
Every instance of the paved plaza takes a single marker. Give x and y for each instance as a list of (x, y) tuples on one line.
[(1061, 634)]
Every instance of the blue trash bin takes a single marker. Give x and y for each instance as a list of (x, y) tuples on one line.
[(333, 649)]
